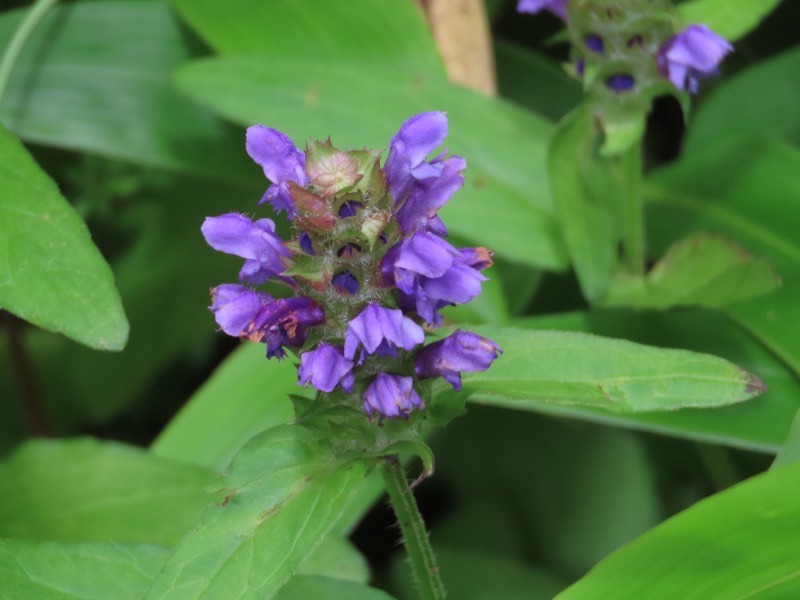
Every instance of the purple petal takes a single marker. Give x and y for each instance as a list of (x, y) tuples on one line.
[(418, 212), (425, 254), (409, 147), (391, 396), (381, 330), (282, 162), (461, 351), (325, 368), (557, 7), (235, 307), (692, 54), (283, 322)]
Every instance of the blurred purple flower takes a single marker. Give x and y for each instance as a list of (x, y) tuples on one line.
[(460, 351), (391, 396), (692, 54), (381, 331), (325, 368), (557, 7), (282, 163), (256, 242)]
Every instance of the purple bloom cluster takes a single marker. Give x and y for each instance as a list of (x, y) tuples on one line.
[(685, 58), (367, 266)]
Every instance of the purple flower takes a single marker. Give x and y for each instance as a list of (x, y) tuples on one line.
[(283, 322), (282, 164), (325, 368), (621, 82), (391, 396), (557, 7), (420, 188), (431, 274), (235, 306), (381, 331), (256, 242), (460, 351), (692, 54)]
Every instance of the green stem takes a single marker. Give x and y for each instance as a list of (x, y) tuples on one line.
[(633, 209), (420, 553), (21, 35)]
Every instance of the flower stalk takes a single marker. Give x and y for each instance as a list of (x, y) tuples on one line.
[(415, 536)]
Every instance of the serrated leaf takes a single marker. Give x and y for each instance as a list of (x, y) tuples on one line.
[(284, 493), (741, 543), (731, 19), (51, 273), (47, 570), (703, 270), (504, 203), (84, 489), (579, 369)]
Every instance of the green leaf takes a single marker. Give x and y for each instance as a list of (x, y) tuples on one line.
[(504, 203), (790, 451), (579, 369), (760, 101), (731, 19), (339, 559), (586, 220), (47, 570), (51, 273), (393, 34), (305, 587), (95, 76), (741, 543), (746, 190), (703, 269), (284, 492), (246, 395), (760, 425), (85, 489)]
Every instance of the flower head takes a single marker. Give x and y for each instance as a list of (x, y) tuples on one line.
[(557, 7), (391, 396), (460, 351), (691, 55)]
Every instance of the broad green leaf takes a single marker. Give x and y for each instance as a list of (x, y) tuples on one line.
[(306, 587), (246, 395), (534, 81), (393, 34), (741, 543), (472, 574), (505, 202), (790, 451), (339, 559), (760, 101), (731, 19), (760, 425), (48, 570), (84, 489), (747, 191), (617, 375), (95, 76), (51, 273), (704, 270), (284, 492), (586, 220)]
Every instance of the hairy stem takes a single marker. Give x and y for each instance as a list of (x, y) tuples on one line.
[(21, 35), (420, 553)]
